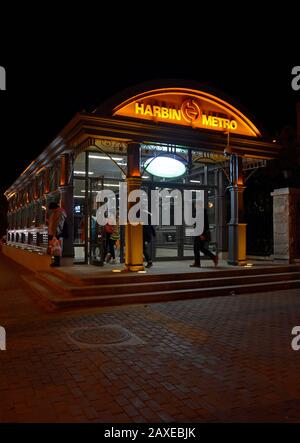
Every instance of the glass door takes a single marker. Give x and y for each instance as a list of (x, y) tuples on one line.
[(172, 242), (80, 217), (167, 239)]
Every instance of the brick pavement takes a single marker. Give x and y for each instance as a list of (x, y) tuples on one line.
[(209, 360)]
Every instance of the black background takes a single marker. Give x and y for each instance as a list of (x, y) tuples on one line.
[(205, 432), (57, 67)]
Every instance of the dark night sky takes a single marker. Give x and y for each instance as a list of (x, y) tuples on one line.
[(48, 84)]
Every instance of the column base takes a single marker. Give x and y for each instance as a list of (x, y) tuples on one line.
[(237, 244), (133, 268), (67, 261), (237, 262)]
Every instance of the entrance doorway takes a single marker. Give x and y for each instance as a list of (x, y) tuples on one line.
[(173, 242), (88, 238), (95, 171)]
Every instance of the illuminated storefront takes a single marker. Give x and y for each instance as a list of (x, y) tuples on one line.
[(170, 135)]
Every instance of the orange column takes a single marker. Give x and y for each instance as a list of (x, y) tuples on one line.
[(133, 233)]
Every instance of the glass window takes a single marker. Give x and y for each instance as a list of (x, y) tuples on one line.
[(100, 165), (79, 165), (79, 211)]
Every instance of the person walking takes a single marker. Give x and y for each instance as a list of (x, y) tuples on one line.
[(148, 234), (111, 237), (56, 228), (200, 245)]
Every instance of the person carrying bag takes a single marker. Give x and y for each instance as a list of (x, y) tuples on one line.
[(57, 230)]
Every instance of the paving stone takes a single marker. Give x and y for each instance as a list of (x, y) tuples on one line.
[(218, 359)]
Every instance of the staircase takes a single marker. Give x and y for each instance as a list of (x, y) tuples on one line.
[(57, 289)]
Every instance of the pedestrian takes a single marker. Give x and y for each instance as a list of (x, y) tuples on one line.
[(2, 241), (56, 231), (111, 230), (200, 242), (148, 234)]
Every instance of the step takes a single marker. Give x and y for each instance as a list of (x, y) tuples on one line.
[(195, 284), (128, 277), (63, 287), (42, 294), (184, 294), (147, 297), (53, 281)]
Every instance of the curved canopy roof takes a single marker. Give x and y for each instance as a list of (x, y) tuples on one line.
[(184, 103)]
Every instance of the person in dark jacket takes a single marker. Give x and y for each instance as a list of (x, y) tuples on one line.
[(200, 245), (148, 234)]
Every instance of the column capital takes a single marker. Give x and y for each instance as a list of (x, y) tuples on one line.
[(133, 160), (134, 181), (237, 188), (65, 169)]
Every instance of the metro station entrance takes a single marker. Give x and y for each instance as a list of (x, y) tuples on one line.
[(212, 141)]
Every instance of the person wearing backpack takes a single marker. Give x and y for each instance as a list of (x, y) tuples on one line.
[(57, 230)]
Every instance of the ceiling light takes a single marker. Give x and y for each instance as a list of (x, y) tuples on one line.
[(104, 157), (163, 166)]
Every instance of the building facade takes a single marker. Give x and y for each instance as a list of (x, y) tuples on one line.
[(212, 137)]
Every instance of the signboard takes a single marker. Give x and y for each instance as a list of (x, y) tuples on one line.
[(187, 107)]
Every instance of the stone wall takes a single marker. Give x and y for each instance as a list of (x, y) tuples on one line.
[(286, 219)]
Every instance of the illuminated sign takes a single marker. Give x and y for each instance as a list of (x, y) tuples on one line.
[(189, 108), (190, 111)]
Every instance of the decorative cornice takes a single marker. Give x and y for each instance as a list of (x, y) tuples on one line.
[(86, 126)]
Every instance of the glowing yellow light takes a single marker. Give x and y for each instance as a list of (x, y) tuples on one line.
[(189, 107)]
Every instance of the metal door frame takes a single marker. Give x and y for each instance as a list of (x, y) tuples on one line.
[(180, 229)]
